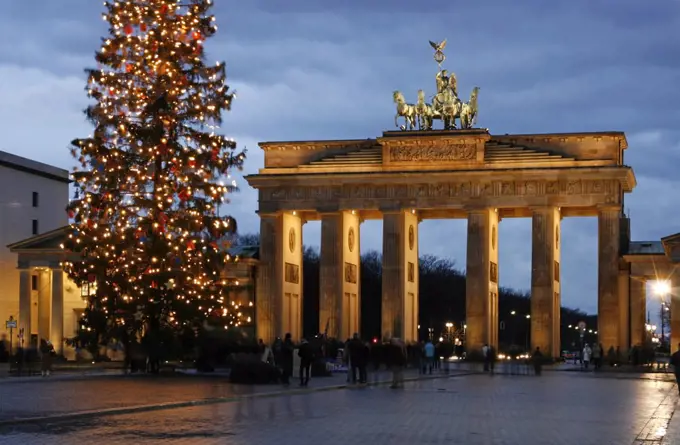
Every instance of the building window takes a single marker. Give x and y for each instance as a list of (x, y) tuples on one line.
[(35, 227), (35, 199), (34, 282)]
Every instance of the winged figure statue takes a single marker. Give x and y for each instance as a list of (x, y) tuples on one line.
[(438, 46)]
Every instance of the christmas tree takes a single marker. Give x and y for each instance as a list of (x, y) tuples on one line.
[(146, 218)]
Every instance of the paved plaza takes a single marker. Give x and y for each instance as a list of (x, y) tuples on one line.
[(557, 408)]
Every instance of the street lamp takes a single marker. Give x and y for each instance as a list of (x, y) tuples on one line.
[(662, 288)]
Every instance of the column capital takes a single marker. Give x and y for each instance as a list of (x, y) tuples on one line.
[(545, 208), (330, 209), (269, 214), (608, 208), (479, 209), (396, 210)]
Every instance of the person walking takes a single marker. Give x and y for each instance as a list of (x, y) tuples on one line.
[(598, 351), (675, 362), (587, 354), (485, 356), (46, 350), (287, 349), (537, 359), (429, 356), (492, 356), (306, 355), (356, 353), (397, 362)]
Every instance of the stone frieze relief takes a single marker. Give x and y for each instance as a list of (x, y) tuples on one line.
[(463, 189), (436, 151)]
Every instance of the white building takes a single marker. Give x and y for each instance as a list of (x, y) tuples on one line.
[(33, 198)]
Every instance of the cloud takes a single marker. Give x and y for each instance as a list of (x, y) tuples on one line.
[(318, 70)]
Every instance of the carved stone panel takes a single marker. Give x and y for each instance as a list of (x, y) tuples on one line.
[(292, 273), (434, 152), (411, 237), (493, 272), (556, 271), (350, 239), (411, 272), (350, 273), (291, 240)]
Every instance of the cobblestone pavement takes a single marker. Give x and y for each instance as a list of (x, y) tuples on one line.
[(47, 397), (558, 408)]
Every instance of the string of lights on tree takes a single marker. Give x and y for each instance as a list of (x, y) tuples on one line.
[(151, 178)]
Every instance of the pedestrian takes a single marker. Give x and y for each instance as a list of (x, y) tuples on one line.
[(356, 357), (287, 349), (491, 353), (587, 354), (46, 350), (675, 362), (306, 355), (485, 356), (537, 359), (429, 356), (597, 356), (397, 362), (347, 360)]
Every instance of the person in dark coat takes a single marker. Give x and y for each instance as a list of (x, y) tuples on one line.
[(675, 361), (287, 349), (306, 354), (537, 359), (357, 358), (46, 350)]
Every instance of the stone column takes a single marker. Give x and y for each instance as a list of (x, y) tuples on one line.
[(481, 290), (638, 308), (624, 306), (545, 281), (675, 311), (44, 304), (608, 276), (339, 281), (25, 305), (400, 275), (57, 322), (279, 281)]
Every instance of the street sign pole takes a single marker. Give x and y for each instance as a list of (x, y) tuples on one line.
[(11, 324)]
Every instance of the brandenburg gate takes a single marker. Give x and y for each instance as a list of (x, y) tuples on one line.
[(417, 173)]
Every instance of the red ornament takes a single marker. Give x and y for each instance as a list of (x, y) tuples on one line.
[(154, 285), (162, 218), (128, 29), (183, 195), (112, 91), (198, 49), (143, 27), (215, 153), (192, 163), (196, 35), (191, 245), (164, 9), (129, 67), (71, 213)]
